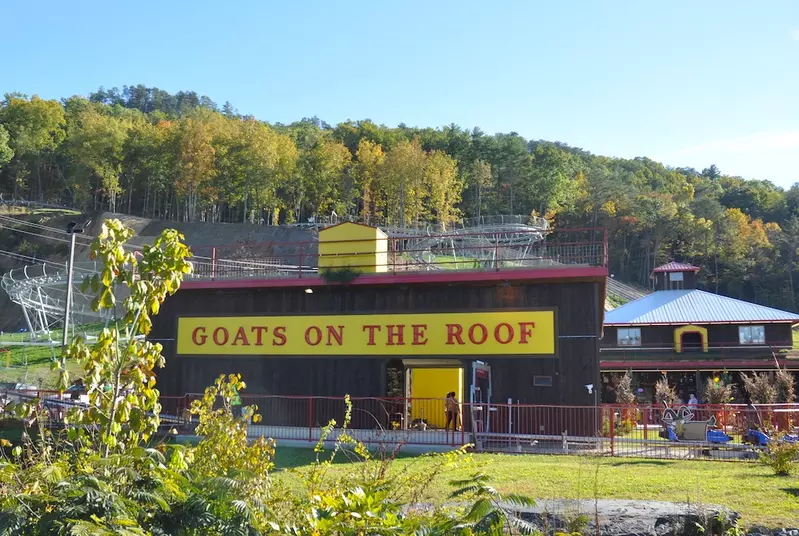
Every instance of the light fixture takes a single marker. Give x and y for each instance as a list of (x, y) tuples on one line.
[(309, 291)]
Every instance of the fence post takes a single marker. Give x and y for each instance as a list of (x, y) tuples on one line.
[(496, 252), (213, 263), (310, 419), (463, 429), (612, 432), (302, 250)]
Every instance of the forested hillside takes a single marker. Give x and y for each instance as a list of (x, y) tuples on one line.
[(144, 151)]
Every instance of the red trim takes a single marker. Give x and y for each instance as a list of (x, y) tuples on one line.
[(675, 267), (715, 365), (442, 277)]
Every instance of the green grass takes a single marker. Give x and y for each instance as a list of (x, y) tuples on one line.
[(750, 489), (31, 364)]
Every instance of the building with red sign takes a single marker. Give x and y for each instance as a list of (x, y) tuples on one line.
[(510, 312)]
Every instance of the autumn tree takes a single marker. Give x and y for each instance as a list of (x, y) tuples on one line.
[(35, 127), (367, 169), (445, 188), (6, 153), (195, 164), (403, 183), (480, 180), (321, 183), (97, 143)]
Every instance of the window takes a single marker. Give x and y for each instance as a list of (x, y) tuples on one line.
[(752, 334), (675, 276), (629, 337), (542, 381)]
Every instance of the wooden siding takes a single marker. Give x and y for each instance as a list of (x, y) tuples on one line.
[(662, 281), (657, 343), (578, 323)]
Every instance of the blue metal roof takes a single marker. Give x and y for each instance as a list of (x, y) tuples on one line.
[(693, 307)]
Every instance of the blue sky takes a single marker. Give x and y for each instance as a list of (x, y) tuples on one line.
[(690, 84)]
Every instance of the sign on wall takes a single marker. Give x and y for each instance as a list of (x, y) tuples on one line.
[(489, 333)]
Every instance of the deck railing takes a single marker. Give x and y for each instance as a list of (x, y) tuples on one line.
[(605, 430), (712, 432), (474, 251)]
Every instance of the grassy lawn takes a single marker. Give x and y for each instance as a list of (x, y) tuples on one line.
[(748, 488), (31, 364)]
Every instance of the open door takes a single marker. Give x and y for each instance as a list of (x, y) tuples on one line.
[(480, 397)]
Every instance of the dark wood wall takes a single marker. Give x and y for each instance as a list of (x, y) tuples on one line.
[(578, 322), (718, 335), (662, 281)]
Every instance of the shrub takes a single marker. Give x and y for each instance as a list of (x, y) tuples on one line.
[(760, 388), (785, 386), (781, 456), (624, 389), (717, 392), (343, 275), (664, 393)]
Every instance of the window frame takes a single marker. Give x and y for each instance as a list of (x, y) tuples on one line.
[(543, 381), (754, 342), (634, 339), (676, 276)]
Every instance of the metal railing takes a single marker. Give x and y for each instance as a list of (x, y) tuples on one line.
[(454, 251), (726, 432), (705, 432)]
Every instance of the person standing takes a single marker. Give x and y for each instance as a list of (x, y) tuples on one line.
[(453, 412)]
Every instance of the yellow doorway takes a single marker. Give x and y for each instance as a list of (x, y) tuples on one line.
[(428, 388)]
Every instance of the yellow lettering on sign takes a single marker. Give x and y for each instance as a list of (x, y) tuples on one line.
[(500, 333)]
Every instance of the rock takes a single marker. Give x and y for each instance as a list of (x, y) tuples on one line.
[(628, 518)]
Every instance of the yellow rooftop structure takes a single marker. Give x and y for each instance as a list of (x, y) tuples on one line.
[(353, 245)]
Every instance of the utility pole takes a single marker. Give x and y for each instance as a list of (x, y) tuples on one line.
[(72, 229)]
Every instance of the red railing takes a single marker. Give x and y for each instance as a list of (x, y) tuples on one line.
[(606, 430), (485, 251), (727, 432)]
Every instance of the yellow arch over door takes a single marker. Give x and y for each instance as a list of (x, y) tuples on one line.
[(678, 333)]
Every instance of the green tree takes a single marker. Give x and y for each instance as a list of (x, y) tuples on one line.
[(445, 188), (322, 177), (480, 180), (97, 142), (402, 183), (34, 126), (6, 153), (788, 240), (256, 163), (196, 161), (367, 171)]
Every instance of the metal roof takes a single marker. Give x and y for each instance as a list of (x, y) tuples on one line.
[(693, 307), (675, 267)]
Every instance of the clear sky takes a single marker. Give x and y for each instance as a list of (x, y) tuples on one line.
[(689, 83)]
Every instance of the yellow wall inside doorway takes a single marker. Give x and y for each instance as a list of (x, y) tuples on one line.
[(434, 383)]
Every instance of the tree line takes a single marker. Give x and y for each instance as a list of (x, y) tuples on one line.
[(182, 157)]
